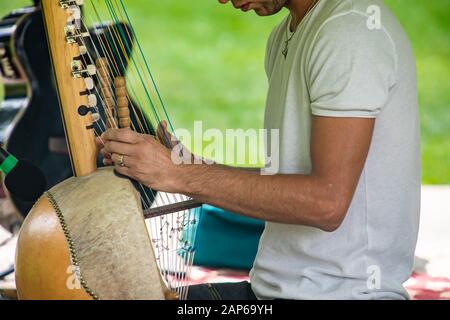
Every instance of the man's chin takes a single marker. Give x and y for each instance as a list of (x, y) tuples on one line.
[(264, 12)]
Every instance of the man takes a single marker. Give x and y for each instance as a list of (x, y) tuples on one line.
[(342, 213)]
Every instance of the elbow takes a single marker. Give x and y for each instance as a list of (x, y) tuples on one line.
[(331, 222), (332, 214)]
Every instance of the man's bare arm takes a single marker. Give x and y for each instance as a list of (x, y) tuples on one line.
[(339, 149)]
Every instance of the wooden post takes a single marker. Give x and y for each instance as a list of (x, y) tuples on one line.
[(106, 92), (122, 102), (79, 128)]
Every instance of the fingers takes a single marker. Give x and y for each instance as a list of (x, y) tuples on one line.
[(124, 171), (106, 157), (132, 145), (117, 159), (105, 154), (122, 135), (108, 162), (164, 136), (127, 171), (120, 141), (112, 147), (99, 143)]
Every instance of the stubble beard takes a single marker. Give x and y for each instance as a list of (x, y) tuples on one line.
[(272, 8)]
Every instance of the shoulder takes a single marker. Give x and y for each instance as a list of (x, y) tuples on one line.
[(352, 61), (354, 21), (360, 27)]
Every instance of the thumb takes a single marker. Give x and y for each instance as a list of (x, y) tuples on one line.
[(163, 134)]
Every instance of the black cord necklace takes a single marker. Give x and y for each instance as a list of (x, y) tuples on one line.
[(286, 43), (289, 38)]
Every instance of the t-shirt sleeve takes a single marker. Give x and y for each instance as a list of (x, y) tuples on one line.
[(351, 68)]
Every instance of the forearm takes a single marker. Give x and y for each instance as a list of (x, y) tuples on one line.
[(291, 199), (339, 148), (200, 160)]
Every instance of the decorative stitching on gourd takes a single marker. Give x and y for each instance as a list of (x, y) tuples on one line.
[(72, 252)]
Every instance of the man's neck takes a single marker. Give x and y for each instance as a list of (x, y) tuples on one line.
[(298, 9)]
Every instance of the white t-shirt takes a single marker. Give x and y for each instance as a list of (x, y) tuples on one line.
[(340, 64)]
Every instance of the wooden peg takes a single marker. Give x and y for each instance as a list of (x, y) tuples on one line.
[(106, 92), (119, 82), (122, 102), (121, 91)]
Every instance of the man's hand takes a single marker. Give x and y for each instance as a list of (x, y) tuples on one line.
[(164, 136), (145, 158)]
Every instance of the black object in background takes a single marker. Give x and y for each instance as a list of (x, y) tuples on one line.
[(22, 178), (26, 181)]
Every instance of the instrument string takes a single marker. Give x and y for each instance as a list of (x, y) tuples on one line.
[(146, 201), (124, 51), (97, 132), (111, 57), (146, 64), (116, 71), (114, 15), (127, 50), (142, 60), (95, 106), (162, 247), (133, 63), (85, 62), (179, 259)]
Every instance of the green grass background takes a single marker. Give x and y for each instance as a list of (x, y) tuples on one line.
[(208, 63)]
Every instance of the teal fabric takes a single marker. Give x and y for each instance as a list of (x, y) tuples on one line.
[(225, 239)]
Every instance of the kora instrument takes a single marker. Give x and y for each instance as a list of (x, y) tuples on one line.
[(86, 238)]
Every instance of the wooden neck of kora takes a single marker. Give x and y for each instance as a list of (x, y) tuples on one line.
[(73, 81)]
